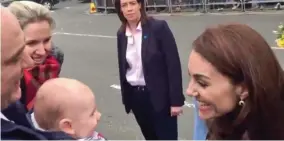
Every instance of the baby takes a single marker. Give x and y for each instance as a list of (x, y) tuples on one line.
[(67, 105)]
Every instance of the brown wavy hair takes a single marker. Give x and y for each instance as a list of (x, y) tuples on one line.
[(242, 54)]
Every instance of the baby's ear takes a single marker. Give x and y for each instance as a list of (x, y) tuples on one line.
[(65, 125)]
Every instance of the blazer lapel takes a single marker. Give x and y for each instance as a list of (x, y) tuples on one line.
[(123, 51)]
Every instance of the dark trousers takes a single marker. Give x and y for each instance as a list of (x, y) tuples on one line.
[(154, 125)]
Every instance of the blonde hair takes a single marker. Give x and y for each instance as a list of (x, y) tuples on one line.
[(28, 12)]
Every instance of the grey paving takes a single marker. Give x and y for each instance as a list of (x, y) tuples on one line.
[(93, 60)]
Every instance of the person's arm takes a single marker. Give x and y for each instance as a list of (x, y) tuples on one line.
[(170, 51), (120, 66)]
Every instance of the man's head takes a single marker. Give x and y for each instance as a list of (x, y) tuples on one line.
[(12, 55), (66, 105)]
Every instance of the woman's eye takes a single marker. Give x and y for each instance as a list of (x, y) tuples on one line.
[(46, 40), (31, 43), (202, 84)]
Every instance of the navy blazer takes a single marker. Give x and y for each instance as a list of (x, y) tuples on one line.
[(22, 128), (161, 65)]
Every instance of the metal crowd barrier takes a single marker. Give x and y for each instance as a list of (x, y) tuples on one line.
[(202, 6)]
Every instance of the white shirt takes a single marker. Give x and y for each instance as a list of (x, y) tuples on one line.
[(134, 74), (4, 117), (35, 123)]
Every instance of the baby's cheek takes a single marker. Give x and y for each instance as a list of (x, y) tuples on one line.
[(82, 130), (91, 126)]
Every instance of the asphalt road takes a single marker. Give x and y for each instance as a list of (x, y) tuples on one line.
[(90, 56)]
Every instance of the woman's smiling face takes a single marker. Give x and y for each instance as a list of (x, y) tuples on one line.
[(215, 93), (38, 40)]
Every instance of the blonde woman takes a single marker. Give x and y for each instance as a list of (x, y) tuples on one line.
[(37, 24)]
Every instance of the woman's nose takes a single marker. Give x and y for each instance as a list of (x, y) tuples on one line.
[(41, 50), (192, 93), (190, 90), (129, 8)]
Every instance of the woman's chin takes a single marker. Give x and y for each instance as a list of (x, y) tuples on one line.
[(206, 116)]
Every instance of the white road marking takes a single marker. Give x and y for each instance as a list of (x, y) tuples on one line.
[(85, 35), (110, 37), (243, 13), (115, 86), (198, 14), (187, 104), (277, 48)]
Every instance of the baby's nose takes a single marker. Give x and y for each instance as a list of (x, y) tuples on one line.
[(99, 115)]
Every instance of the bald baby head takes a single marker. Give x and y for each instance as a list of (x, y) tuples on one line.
[(63, 98)]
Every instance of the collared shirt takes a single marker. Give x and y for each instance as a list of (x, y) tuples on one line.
[(4, 117), (134, 74), (95, 137), (35, 124)]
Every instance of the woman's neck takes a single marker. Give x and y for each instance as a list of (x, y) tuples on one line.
[(132, 25)]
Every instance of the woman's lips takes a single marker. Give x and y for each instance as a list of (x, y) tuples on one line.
[(38, 60), (204, 106)]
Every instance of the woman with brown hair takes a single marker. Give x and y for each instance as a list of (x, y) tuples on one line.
[(238, 83)]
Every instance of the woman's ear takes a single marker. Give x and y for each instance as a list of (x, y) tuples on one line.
[(243, 96), (65, 125), (242, 92), (139, 5)]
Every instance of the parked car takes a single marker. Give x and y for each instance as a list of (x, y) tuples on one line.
[(5, 3), (47, 3)]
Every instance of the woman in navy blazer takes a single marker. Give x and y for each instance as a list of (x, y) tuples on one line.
[(149, 71)]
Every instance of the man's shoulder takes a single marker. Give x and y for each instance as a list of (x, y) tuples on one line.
[(16, 112), (12, 131)]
